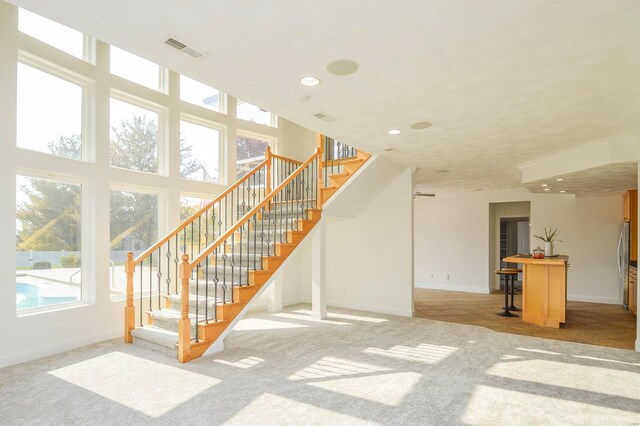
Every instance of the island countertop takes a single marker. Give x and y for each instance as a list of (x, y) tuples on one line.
[(529, 260)]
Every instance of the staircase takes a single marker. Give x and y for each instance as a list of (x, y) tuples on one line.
[(196, 282)]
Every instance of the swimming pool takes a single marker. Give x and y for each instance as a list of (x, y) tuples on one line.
[(28, 296)]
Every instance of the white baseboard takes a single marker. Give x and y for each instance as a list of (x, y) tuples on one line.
[(408, 312), (57, 347), (594, 299), (437, 286)]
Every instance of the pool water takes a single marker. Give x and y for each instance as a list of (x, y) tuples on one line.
[(28, 296)]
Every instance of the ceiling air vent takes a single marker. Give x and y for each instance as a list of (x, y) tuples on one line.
[(189, 51), (323, 116)]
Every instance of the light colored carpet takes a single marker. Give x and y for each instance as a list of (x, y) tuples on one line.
[(355, 368)]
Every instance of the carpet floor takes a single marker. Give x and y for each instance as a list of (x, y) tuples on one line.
[(354, 368)]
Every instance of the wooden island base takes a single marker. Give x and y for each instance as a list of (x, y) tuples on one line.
[(544, 289)]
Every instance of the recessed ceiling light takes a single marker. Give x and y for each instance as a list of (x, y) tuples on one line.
[(560, 180), (547, 189), (394, 132), (343, 67), (421, 125), (562, 191), (544, 185), (310, 81)]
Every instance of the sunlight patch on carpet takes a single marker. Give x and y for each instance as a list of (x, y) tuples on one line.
[(333, 367), (613, 361), (251, 324), (388, 389), (285, 411), (538, 351), (145, 386), (424, 353), (574, 376), (244, 364), (346, 316), (491, 406), (307, 318)]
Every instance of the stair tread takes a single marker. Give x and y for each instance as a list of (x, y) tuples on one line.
[(158, 335)]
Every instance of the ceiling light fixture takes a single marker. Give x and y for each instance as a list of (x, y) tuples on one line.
[(394, 132), (560, 180), (544, 185), (547, 189), (343, 67), (421, 125), (310, 81), (562, 191)]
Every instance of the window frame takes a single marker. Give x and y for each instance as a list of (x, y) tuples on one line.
[(87, 293), (87, 112), (222, 151), (163, 145)]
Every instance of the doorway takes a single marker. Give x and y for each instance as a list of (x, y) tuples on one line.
[(509, 229)]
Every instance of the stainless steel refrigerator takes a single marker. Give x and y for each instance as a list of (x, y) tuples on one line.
[(623, 262)]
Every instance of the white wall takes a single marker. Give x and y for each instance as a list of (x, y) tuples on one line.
[(452, 238), (369, 257)]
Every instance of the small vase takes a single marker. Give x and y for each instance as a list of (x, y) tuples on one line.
[(548, 249)]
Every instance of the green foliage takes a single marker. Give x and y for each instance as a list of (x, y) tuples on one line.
[(56, 207), (70, 261), (43, 264)]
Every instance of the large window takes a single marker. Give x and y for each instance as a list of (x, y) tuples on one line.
[(134, 137), (48, 242), (200, 94), (191, 205), (250, 151), (134, 68), (254, 114), (49, 113), (47, 31), (133, 228), (199, 152), (156, 145)]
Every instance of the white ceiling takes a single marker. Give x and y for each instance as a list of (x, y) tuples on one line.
[(611, 179), (503, 82)]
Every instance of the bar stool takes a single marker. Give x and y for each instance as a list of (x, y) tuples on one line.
[(513, 287), (508, 273)]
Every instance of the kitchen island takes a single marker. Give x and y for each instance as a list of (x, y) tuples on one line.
[(544, 289)]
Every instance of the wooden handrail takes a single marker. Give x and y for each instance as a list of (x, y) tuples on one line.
[(291, 160), (253, 211), (197, 214)]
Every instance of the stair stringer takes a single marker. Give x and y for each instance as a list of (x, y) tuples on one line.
[(363, 186), (217, 345)]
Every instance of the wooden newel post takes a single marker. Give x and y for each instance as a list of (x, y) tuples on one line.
[(268, 158), (129, 309), (320, 151), (184, 325), (320, 148)]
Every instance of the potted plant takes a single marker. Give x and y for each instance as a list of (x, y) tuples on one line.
[(549, 237)]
